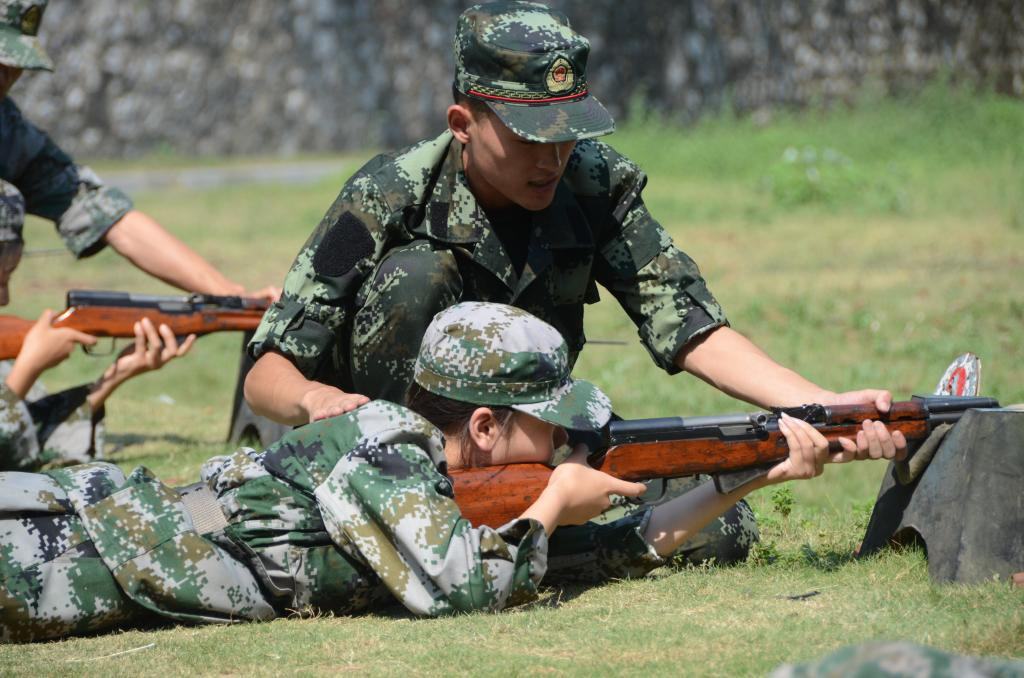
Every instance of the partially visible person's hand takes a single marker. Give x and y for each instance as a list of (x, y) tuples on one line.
[(325, 401), (270, 293), (874, 440), (153, 348)]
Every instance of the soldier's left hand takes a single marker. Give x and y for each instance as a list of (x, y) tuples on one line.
[(874, 440)]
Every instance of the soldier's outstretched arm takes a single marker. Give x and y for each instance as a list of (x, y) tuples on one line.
[(735, 365), (149, 246), (276, 389)]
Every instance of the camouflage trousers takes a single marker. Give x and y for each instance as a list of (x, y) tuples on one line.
[(86, 549), (414, 283), (48, 430)]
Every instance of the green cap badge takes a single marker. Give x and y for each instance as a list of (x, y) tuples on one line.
[(529, 66), (19, 27)]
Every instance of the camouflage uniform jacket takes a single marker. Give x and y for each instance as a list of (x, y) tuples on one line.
[(45, 429), (597, 230), (53, 187), (341, 515)]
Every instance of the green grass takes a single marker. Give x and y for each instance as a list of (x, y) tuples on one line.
[(907, 250)]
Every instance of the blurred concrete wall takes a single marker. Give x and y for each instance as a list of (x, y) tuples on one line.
[(282, 76)]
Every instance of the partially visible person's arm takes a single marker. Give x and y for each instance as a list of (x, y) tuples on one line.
[(150, 247), (276, 389), (153, 348), (90, 215)]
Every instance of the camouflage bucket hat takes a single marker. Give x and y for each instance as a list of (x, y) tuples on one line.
[(493, 354), (529, 66), (19, 25)]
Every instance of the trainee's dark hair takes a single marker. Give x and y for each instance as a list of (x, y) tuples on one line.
[(476, 105), (452, 416)]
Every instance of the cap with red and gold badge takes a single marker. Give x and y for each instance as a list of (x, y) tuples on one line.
[(529, 66), (19, 26)]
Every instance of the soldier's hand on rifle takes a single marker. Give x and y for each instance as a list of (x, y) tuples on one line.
[(874, 440), (323, 401), (153, 348), (44, 346), (270, 293)]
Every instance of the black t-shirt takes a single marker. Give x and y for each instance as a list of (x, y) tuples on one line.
[(512, 225)]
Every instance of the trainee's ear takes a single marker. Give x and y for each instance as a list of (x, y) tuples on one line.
[(484, 429), (459, 119)]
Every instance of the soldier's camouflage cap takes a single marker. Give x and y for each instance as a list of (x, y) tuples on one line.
[(529, 66), (493, 354), (19, 26)]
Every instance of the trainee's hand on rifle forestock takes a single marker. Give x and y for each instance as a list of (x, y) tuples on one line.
[(323, 401), (153, 348), (808, 452), (580, 492), (874, 440)]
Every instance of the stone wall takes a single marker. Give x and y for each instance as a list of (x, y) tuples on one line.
[(283, 76)]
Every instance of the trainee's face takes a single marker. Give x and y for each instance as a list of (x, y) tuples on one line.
[(504, 168), (8, 76), (528, 439)]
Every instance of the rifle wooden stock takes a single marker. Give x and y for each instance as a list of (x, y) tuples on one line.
[(671, 448), (114, 314)]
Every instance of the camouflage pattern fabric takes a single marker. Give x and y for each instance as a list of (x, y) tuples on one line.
[(53, 187), (495, 354), (339, 516), (47, 430), (12, 213), (19, 26), (900, 660), (406, 238), (528, 65)]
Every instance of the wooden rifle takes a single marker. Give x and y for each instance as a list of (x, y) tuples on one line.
[(114, 314), (734, 449)]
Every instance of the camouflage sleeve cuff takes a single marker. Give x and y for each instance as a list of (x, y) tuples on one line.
[(595, 553), (19, 448), (531, 561), (694, 324), (92, 212), (287, 329)]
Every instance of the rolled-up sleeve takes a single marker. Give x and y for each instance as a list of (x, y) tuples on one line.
[(55, 188), (389, 507), (656, 283)]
